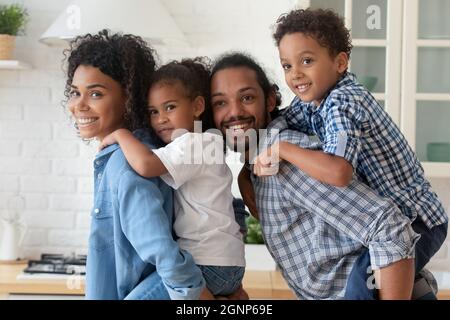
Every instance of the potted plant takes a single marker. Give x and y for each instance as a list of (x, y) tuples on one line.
[(256, 254), (13, 19)]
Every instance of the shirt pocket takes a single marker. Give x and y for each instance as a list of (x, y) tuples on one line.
[(102, 225)]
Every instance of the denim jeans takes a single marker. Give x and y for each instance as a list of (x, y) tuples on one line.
[(222, 280), (151, 288), (429, 243)]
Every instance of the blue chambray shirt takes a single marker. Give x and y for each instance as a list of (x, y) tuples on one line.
[(351, 124), (131, 233)]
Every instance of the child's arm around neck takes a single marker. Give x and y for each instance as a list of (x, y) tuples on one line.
[(322, 166), (138, 155)]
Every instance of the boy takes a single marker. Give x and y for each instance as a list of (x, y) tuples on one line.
[(358, 136)]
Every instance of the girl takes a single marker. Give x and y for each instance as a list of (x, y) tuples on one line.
[(193, 164), (131, 248)]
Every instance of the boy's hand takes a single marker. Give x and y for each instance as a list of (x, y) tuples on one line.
[(107, 141), (267, 162)]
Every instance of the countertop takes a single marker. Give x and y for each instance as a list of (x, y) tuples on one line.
[(258, 284)]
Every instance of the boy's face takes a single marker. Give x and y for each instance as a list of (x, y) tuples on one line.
[(309, 70)]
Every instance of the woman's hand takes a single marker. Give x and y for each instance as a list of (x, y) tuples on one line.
[(267, 162), (206, 295), (239, 294)]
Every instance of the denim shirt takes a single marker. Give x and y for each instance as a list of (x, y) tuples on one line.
[(131, 234)]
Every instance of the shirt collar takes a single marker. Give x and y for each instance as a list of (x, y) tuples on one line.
[(346, 79)]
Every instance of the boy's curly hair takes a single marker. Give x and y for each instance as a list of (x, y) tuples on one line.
[(194, 77), (125, 58), (326, 26)]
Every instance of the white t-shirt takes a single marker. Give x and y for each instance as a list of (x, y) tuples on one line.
[(204, 215)]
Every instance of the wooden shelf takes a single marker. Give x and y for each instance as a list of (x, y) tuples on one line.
[(14, 65)]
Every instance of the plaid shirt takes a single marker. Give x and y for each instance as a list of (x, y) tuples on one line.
[(351, 124), (316, 231)]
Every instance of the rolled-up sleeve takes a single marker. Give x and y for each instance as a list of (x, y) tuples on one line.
[(355, 211), (148, 228), (344, 123)]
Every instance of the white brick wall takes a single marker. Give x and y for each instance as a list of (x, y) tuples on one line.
[(42, 160)]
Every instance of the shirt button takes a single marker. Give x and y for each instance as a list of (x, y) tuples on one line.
[(99, 176), (97, 210)]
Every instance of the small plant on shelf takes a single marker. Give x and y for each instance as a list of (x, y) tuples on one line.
[(13, 19)]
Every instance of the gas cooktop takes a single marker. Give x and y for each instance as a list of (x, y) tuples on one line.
[(58, 264)]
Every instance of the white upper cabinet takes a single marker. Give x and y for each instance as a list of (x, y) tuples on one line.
[(402, 54)]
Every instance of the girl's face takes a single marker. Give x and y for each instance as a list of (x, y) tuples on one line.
[(170, 108), (97, 102)]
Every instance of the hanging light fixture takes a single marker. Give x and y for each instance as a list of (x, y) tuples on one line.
[(146, 18)]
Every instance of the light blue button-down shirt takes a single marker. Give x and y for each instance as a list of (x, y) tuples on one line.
[(131, 234)]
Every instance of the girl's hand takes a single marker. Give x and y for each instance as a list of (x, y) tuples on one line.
[(107, 141), (267, 162)]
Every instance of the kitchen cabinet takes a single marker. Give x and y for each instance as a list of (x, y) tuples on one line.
[(405, 46), (425, 108)]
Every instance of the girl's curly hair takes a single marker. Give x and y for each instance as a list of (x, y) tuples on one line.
[(194, 77), (125, 58), (325, 26)]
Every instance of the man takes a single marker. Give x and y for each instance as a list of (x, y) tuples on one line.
[(314, 231)]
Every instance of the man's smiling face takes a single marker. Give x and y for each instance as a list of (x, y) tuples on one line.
[(238, 104)]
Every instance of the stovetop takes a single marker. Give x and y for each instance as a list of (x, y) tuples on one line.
[(58, 264)]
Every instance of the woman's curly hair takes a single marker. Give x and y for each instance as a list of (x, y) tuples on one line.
[(325, 26), (194, 77), (125, 58)]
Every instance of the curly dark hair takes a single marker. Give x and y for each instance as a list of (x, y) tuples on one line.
[(126, 58), (194, 76), (324, 25), (239, 59)]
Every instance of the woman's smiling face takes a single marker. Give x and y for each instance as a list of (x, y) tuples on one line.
[(97, 102)]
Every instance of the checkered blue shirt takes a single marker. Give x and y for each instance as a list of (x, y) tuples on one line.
[(316, 231), (351, 124)]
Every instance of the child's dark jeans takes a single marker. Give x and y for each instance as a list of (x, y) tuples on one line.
[(429, 243)]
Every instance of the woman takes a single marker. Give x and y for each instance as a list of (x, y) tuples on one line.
[(131, 228)]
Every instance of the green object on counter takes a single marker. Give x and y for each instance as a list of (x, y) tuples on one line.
[(254, 231), (438, 152)]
